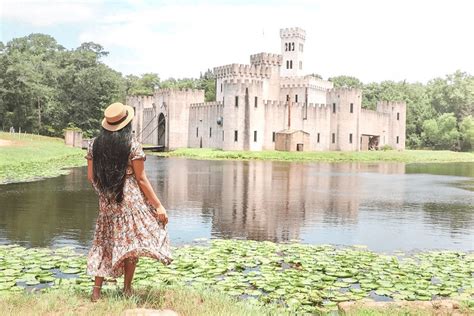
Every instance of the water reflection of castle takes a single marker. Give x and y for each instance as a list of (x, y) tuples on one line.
[(266, 200)]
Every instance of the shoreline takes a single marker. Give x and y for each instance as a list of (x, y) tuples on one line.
[(407, 156)]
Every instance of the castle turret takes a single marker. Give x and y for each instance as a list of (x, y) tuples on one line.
[(292, 47)]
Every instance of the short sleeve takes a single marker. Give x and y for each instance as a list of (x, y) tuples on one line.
[(137, 151), (88, 155)]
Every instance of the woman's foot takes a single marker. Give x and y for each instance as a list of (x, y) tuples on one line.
[(95, 293), (127, 292)]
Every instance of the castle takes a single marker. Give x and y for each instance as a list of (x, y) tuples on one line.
[(266, 105)]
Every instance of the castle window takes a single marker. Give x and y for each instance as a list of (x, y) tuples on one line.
[(221, 87), (210, 132), (236, 101), (296, 98), (301, 47), (273, 136), (256, 101), (255, 136), (334, 108), (293, 46), (301, 65), (236, 136), (352, 107), (223, 99), (222, 135), (333, 138), (287, 98), (318, 138), (197, 131), (350, 138), (398, 116), (286, 47), (398, 139), (287, 64), (291, 64)]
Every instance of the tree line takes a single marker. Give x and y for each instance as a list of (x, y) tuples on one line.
[(45, 88)]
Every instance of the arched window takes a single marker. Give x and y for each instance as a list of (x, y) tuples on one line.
[(286, 47), (293, 46), (291, 64)]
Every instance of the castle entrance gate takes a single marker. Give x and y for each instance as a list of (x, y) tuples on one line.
[(161, 130), (369, 142)]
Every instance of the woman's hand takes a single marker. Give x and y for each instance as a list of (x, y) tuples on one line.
[(161, 214)]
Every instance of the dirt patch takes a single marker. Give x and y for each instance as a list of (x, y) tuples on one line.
[(437, 307), (5, 143)]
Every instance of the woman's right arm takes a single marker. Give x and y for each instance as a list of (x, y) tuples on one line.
[(139, 171)]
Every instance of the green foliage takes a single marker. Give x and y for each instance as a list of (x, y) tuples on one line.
[(144, 85), (45, 87), (298, 278), (346, 82), (442, 132), (467, 133)]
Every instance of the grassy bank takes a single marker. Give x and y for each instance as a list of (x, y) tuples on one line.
[(30, 157), (408, 156), (182, 300), (262, 276)]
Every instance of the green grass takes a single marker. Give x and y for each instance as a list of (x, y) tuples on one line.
[(31, 157), (184, 301), (408, 156)]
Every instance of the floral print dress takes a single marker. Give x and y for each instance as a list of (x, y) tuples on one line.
[(126, 230)]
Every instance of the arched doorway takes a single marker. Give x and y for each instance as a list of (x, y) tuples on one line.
[(161, 130)]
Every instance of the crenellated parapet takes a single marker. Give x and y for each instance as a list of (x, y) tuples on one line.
[(390, 106), (293, 32), (266, 59), (145, 101), (243, 71), (306, 82), (206, 104), (177, 91), (274, 103)]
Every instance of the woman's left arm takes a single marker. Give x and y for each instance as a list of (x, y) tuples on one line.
[(90, 171)]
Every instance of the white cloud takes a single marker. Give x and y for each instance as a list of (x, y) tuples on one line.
[(47, 13)]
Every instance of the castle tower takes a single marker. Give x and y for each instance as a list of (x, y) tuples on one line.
[(292, 48)]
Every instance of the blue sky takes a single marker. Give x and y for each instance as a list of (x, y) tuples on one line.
[(373, 40)]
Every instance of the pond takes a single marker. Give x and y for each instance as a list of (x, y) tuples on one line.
[(386, 206)]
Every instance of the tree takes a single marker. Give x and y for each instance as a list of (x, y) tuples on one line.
[(346, 82), (144, 85), (441, 133), (467, 133)]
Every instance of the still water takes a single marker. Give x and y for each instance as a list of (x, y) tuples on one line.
[(386, 206)]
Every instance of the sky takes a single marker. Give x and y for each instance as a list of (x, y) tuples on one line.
[(373, 40)]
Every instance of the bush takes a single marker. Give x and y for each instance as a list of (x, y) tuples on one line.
[(386, 147)]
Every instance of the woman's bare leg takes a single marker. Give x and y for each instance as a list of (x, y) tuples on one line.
[(96, 288), (130, 265)]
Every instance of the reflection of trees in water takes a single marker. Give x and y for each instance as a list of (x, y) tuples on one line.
[(36, 214), (455, 217)]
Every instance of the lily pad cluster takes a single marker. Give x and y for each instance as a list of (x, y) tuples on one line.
[(299, 277)]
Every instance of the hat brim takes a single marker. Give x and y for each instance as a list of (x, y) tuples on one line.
[(114, 128)]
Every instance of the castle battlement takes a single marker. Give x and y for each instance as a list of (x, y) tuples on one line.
[(306, 82), (293, 32), (177, 91), (146, 101), (205, 104), (266, 59), (243, 71), (274, 103)]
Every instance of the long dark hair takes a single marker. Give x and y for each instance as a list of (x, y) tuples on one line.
[(110, 153)]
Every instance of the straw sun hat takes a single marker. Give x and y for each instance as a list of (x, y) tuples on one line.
[(117, 116)]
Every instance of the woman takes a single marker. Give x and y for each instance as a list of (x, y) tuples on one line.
[(131, 221)]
